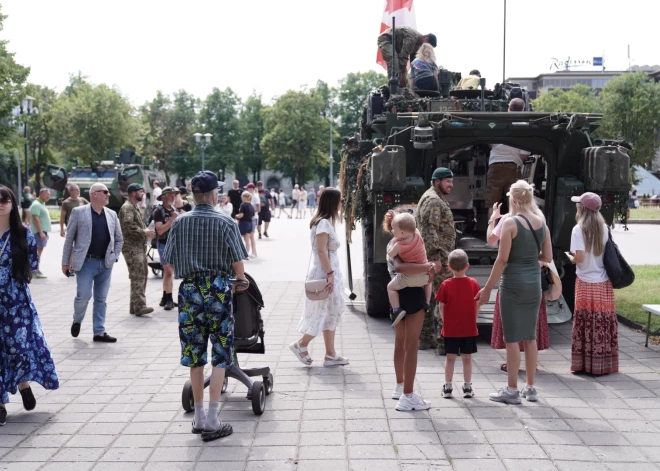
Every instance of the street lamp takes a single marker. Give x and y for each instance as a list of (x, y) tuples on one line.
[(25, 109), (202, 145), (331, 158)]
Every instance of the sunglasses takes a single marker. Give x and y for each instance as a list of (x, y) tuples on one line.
[(5, 200), (105, 192)]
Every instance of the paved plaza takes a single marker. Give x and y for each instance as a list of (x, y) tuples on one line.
[(119, 405)]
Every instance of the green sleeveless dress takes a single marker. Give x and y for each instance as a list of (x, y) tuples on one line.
[(520, 288)]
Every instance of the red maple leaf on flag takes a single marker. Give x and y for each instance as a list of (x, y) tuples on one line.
[(394, 5)]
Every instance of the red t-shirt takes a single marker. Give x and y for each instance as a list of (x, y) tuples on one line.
[(457, 294)]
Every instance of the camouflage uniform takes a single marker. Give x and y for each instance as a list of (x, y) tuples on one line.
[(436, 225), (132, 226), (408, 41)]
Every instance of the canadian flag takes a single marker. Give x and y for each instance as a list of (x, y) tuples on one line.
[(404, 12)]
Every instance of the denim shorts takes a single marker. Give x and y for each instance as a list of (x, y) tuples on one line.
[(161, 251), (205, 313), (41, 243)]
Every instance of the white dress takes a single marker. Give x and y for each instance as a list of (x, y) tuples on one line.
[(325, 314), (302, 201)]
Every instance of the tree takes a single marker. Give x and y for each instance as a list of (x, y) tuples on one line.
[(40, 127), (294, 135), (90, 120), (251, 131), (578, 99), (219, 116), (12, 79), (351, 96), (631, 110)]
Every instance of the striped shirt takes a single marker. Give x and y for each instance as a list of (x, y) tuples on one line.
[(203, 242)]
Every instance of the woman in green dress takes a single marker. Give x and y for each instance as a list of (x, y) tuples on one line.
[(525, 240)]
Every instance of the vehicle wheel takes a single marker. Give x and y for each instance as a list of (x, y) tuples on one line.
[(268, 383), (156, 271), (187, 399), (224, 385), (258, 397), (568, 286), (376, 275)]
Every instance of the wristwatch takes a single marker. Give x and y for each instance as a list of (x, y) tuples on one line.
[(491, 221)]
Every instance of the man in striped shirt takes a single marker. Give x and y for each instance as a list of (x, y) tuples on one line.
[(206, 250)]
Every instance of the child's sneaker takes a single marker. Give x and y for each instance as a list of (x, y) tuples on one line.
[(447, 391), (397, 316), (467, 390), (414, 402), (529, 393), (398, 391)]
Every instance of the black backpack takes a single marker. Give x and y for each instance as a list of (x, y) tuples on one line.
[(618, 270)]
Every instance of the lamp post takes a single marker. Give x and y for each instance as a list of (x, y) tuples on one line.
[(203, 145), (25, 109), (331, 157)]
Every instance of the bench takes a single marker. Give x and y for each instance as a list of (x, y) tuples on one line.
[(651, 309), (649, 202)]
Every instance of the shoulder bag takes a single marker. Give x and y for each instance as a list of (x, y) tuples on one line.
[(618, 270), (546, 276), (315, 289)]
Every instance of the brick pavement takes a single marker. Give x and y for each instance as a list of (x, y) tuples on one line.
[(119, 406)]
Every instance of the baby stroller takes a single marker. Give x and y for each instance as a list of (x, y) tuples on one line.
[(152, 250), (248, 331)]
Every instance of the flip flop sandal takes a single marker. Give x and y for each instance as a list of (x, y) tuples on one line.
[(196, 430), (29, 402), (301, 353), (336, 360), (504, 367), (224, 431)]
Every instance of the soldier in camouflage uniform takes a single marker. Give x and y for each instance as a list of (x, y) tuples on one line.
[(135, 238), (408, 42), (436, 225)]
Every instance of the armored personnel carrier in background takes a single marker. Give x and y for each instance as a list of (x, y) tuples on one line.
[(404, 137), (126, 168)]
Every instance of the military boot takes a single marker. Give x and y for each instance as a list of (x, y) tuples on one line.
[(169, 303), (143, 310)]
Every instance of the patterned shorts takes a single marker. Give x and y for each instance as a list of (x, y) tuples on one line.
[(205, 311)]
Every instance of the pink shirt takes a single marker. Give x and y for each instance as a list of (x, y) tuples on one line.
[(413, 251)]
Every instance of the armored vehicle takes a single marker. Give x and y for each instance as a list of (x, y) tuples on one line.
[(403, 138), (126, 168)]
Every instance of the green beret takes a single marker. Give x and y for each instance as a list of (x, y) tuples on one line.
[(441, 172), (135, 187)]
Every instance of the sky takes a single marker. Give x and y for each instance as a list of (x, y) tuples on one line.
[(271, 46)]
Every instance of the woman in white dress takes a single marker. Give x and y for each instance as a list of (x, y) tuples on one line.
[(322, 317), (302, 203)]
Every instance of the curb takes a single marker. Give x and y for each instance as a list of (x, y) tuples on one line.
[(642, 221), (632, 324)]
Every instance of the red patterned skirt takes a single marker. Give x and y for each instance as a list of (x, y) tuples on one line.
[(595, 339), (542, 334)]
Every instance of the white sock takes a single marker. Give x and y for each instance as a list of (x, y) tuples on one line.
[(448, 384), (212, 420), (200, 415), (467, 385), (510, 389)]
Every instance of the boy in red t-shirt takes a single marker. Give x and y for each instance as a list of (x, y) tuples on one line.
[(458, 311)]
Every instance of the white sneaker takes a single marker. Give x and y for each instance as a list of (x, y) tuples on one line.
[(529, 393), (506, 396), (414, 402), (398, 391)]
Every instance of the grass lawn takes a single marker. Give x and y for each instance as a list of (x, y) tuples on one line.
[(645, 290), (645, 213), (54, 214)]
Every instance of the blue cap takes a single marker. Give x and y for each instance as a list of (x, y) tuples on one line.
[(204, 182)]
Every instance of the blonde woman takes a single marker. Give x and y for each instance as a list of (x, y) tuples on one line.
[(524, 242), (423, 70), (595, 340)]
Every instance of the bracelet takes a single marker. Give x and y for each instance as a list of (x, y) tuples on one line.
[(331, 272)]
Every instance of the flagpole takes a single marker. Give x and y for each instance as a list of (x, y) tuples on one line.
[(504, 48)]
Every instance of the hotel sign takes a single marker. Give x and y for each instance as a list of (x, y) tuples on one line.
[(566, 64)]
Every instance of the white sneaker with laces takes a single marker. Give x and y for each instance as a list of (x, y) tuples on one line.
[(414, 402), (398, 391), (530, 393)]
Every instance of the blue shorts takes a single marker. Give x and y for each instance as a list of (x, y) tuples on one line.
[(205, 312), (161, 251), (40, 243)]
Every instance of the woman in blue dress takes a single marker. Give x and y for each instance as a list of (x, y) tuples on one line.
[(24, 354)]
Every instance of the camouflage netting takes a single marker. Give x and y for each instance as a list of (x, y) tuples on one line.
[(354, 176)]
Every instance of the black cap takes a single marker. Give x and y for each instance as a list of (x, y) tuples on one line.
[(475, 72), (205, 181), (183, 190)]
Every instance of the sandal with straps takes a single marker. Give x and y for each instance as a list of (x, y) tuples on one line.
[(335, 360), (301, 353)]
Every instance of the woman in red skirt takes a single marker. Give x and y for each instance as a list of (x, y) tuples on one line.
[(497, 337), (595, 339)]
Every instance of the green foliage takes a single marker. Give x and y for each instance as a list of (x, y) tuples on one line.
[(40, 130), (251, 132), (12, 79), (351, 94), (89, 120), (219, 116), (631, 109), (578, 99), (294, 135)]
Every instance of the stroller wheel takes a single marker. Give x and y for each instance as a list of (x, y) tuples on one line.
[(156, 271), (268, 383), (187, 399), (225, 384), (258, 397)]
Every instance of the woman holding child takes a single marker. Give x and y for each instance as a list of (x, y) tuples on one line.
[(524, 242)]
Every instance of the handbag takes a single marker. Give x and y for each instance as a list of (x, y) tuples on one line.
[(558, 311), (315, 289), (546, 276), (618, 270)]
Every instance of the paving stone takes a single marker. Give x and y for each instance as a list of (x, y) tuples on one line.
[(322, 465), (569, 453), (519, 451), (477, 465), (78, 454), (470, 451), (323, 452), (371, 452)]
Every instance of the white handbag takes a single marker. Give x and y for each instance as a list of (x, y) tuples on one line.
[(315, 289)]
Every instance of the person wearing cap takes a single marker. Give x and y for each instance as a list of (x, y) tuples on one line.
[(181, 203), (40, 224), (164, 216), (594, 341), (206, 251), (135, 237)]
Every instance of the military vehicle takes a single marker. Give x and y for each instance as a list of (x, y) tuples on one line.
[(404, 137), (127, 168)]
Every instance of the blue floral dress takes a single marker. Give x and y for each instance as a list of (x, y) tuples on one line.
[(24, 354)]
